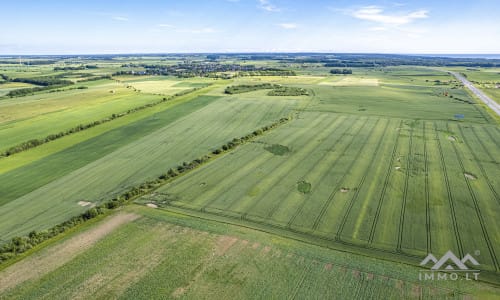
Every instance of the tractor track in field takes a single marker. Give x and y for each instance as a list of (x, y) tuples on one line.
[(405, 191), (330, 198), (384, 187), (493, 159), (361, 182), (476, 159), (229, 185), (296, 289), (476, 207), (326, 153), (448, 190), (300, 208), (311, 138), (427, 194), (497, 143), (256, 203)]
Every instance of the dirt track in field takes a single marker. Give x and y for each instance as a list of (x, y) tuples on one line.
[(53, 257)]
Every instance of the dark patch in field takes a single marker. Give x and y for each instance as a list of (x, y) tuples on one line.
[(277, 149), (304, 187)]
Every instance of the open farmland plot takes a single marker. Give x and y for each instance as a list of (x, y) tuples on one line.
[(104, 166), (165, 85), (401, 187), (149, 254), (37, 116)]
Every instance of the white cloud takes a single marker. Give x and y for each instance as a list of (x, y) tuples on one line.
[(288, 25), (376, 14), (378, 28), (268, 6), (198, 30), (166, 26), (118, 18)]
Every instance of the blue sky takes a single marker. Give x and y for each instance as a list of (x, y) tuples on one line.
[(80, 27)]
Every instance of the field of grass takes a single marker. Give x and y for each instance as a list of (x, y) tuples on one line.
[(103, 166), (148, 254), (380, 183)]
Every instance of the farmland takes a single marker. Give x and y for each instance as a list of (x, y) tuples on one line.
[(343, 182), (169, 255)]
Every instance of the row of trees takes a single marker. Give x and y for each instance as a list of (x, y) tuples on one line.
[(288, 91), (244, 88), (341, 71), (81, 67), (18, 245)]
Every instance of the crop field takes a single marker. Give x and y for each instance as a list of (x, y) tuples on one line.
[(375, 182), (147, 254), (330, 186), (165, 85), (157, 143)]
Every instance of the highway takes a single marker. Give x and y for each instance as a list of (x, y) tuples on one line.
[(487, 100)]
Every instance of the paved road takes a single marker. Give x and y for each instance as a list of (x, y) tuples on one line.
[(492, 104)]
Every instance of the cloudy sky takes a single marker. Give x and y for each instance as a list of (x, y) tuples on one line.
[(147, 26)]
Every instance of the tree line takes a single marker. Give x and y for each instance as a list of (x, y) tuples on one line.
[(341, 71)]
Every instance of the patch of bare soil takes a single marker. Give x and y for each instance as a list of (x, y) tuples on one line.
[(470, 176), (84, 203), (53, 257), (416, 291), (223, 244), (266, 250), (369, 276), (328, 267), (255, 245)]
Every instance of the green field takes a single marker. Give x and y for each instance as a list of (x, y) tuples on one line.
[(369, 173), (158, 141), (376, 182), (147, 254)]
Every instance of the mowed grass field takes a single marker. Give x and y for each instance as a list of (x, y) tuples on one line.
[(148, 254), (103, 166)]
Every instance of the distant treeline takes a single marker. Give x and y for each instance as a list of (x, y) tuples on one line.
[(20, 244), (244, 88), (82, 67), (341, 71), (205, 69), (37, 142), (288, 91), (276, 89), (45, 83), (49, 83)]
